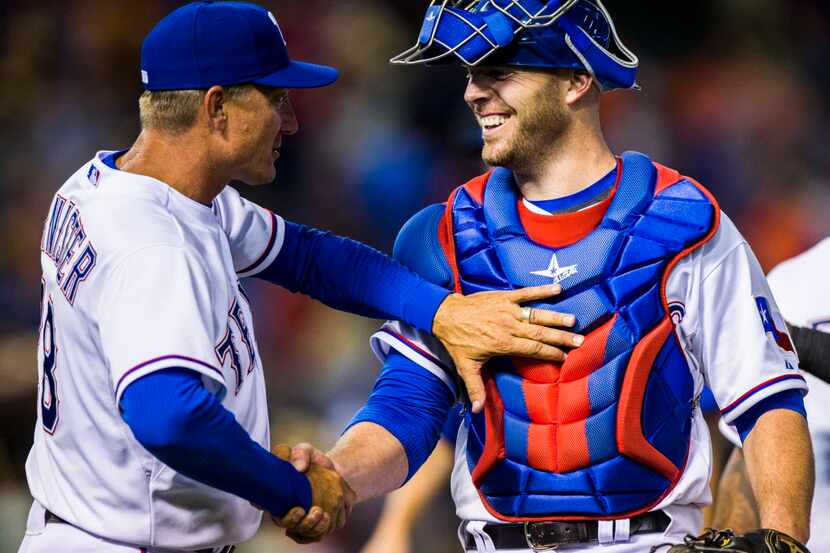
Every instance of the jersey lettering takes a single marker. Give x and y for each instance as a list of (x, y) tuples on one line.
[(48, 244), (62, 241), (227, 348), (80, 271), (245, 335), (49, 384)]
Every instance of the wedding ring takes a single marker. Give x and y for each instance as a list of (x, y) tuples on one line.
[(527, 314)]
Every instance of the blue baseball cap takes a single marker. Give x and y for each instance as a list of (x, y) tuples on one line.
[(208, 43)]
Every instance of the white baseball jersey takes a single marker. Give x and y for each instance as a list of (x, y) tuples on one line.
[(803, 292), (138, 278), (721, 305)]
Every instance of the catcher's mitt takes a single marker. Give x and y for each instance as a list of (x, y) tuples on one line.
[(757, 541)]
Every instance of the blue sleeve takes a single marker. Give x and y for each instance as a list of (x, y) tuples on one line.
[(453, 423), (350, 276), (417, 246), (175, 418), (788, 399), (707, 401), (412, 404)]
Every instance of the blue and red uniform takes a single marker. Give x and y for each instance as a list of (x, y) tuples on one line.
[(607, 433)]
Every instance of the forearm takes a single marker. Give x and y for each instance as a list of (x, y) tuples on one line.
[(176, 419), (350, 276), (779, 461), (370, 459), (735, 505)]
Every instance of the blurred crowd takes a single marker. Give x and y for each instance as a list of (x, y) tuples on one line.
[(732, 94)]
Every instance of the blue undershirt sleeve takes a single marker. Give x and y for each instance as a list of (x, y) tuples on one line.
[(175, 418), (412, 404), (350, 276), (450, 430), (788, 399)]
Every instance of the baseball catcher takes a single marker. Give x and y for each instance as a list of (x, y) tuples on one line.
[(607, 449)]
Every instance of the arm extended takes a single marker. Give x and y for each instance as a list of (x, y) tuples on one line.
[(347, 275), (394, 433), (350, 276), (178, 421)]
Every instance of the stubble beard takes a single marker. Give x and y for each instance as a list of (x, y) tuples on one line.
[(538, 130)]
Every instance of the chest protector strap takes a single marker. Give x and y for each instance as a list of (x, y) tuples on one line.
[(606, 433)]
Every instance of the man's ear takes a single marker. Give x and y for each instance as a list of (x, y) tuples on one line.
[(579, 84), (214, 108)]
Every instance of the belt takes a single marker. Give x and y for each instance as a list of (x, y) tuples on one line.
[(52, 517), (543, 536)]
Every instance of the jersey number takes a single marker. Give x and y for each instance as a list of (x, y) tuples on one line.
[(48, 384)]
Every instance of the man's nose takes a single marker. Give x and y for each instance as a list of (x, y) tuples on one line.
[(476, 91)]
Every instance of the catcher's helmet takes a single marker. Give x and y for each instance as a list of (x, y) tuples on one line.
[(576, 34)]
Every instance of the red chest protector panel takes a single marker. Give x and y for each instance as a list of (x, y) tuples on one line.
[(606, 433)]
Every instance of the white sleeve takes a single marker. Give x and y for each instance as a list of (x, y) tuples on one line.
[(156, 312), (742, 342), (255, 234), (419, 347)]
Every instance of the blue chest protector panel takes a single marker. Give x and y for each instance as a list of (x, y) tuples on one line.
[(606, 433)]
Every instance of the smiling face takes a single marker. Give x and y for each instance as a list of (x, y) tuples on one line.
[(521, 113), (256, 122)]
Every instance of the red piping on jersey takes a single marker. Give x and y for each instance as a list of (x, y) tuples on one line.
[(267, 251), (416, 348), (760, 386), (162, 358)]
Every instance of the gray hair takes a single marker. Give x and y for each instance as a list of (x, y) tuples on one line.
[(175, 111)]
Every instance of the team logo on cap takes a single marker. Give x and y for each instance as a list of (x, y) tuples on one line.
[(277, 25)]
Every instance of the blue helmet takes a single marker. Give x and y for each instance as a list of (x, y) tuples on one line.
[(548, 34)]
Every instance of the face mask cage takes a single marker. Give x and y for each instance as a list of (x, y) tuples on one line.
[(471, 30)]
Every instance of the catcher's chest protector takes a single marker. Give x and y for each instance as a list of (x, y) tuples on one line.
[(606, 433)]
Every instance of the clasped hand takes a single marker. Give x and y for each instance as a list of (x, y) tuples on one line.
[(331, 496)]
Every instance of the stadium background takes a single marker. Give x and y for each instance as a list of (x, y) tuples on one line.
[(733, 94)]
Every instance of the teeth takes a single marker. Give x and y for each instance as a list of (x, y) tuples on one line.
[(492, 121)]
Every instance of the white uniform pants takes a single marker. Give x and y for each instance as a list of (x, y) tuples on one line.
[(53, 537), (613, 536)]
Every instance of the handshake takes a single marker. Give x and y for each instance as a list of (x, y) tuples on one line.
[(331, 496)]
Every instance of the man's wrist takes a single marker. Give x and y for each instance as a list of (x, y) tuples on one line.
[(421, 305), (301, 486), (784, 522)]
